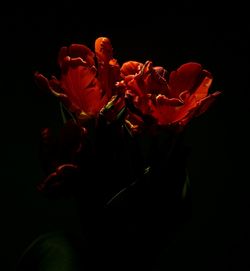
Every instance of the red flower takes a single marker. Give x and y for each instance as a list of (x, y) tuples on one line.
[(84, 86), (171, 101)]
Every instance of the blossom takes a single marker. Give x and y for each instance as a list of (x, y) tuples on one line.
[(87, 80), (170, 100), (135, 96)]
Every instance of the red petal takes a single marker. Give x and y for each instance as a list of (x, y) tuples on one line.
[(205, 103), (160, 70), (108, 75), (131, 67), (75, 51), (155, 83), (92, 100), (74, 62), (195, 109), (193, 100), (163, 100), (78, 83), (103, 49), (203, 88), (166, 111), (134, 87), (54, 88), (44, 83), (184, 95), (185, 78), (82, 51)]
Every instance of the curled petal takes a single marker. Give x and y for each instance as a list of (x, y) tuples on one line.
[(147, 67), (161, 71), (114, 66), (128, 78), (75, 51), (135, 86), (155, 83), (186, 77), (69, 62), (131, 68), (184, 95), (108, 67), (44, 83), (103, 49), (163, 100), (193, 101), (82, 51), (53, 87), (187, 113), (147, 80)]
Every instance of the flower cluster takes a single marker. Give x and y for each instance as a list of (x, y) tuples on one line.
[(105, 99)]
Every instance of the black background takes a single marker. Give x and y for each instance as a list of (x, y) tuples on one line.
[(218, 236)]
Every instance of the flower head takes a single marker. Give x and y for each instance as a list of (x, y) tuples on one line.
[(170, 101), (135, 98), (87, 79)]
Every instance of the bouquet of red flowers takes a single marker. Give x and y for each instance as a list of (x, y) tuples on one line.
[(106, 106), (119, 150)]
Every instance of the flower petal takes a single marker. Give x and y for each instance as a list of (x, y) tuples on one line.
[(192, 101), (131, 68), (163, 100), (166, 110), (202, 90), (75, 51), (108, 67), (184, 78), (44, 83), (205, 103), (195, 109), (92, 99), (155, 83), (82, 73), (148, 79), (81, 86), (103, 49), (160, 70)]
